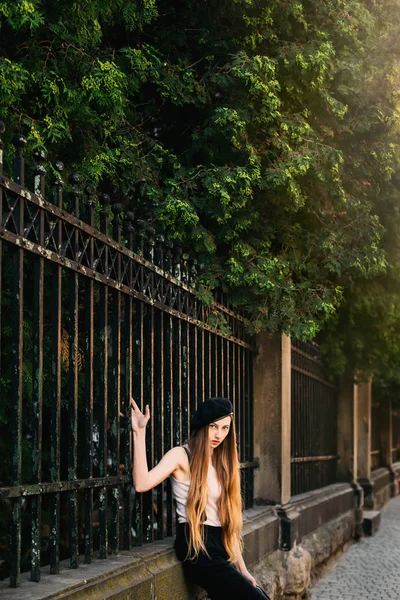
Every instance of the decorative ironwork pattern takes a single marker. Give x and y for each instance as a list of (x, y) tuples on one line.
[(75, 245), (313, 419), (90, 317)]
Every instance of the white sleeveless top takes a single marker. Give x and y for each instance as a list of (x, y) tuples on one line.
[(180, 490)]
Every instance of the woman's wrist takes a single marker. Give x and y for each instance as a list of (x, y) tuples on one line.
[(240, 565), (139, 431)]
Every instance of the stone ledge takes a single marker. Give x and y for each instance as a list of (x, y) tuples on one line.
[(145, 573), (286, 575), (322, 506), (152, 571), (381, 478), (107, 578), (384, 486)]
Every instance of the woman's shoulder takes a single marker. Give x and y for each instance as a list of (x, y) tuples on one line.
[(186, 449), (182, 472), (180, 453)]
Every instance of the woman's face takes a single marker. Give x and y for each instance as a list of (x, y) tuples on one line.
[(218, 431)]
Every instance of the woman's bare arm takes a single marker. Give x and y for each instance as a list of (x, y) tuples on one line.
[(241, 566), (144, 479)]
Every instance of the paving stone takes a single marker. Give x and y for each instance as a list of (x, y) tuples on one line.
[(370, 568)]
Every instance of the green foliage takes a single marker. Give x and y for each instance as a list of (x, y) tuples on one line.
[(264, 135)]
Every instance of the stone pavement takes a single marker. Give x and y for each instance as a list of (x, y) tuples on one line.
[(370, 569)]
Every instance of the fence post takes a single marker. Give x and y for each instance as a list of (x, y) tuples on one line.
[(385, 433), (348, 444), (386, 442), (272, 406), (363, 429), (347, 430)]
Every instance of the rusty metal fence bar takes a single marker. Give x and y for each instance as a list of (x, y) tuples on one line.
[(90, 317), (313, 421)]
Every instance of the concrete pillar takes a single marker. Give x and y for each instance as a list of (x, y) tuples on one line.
[(386, 442), (363, 393), (385, 433), (348, 445), (272, 408), (271, 376), (347, 430)]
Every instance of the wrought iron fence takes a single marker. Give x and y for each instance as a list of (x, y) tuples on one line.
[(313, 421), (90, 317)]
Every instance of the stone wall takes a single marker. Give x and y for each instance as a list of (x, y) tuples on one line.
[(383, 480), (287, 575), (150, 572), (327, 522), (326, 525)]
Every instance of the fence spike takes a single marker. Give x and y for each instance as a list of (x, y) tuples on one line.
[(39, 180), (20, 142), (117, 209), (90, 192), (74, 195), (168, 245), (192, 272), (185, 268), (139, 236), (104, 200), (58, 166), (150, 243), (128, 228), (177, 253), (159, 250)]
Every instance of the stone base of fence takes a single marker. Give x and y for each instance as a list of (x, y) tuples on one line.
[(330, 520), (149, 572), (326, 519), (327, 524), (382, 479)]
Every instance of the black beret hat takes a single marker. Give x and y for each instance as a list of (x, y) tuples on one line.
[(210, 411)]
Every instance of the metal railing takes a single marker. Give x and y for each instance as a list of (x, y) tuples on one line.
[(90, 317), (313, 421)]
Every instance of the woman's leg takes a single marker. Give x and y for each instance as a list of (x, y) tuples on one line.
[(213, 572), (223, 582)]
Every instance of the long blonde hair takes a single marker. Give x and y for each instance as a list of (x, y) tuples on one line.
[(226, 463)]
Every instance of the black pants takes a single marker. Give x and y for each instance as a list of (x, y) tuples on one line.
[(214, 574)]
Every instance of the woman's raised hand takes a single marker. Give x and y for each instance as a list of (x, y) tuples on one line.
[(138, 419)]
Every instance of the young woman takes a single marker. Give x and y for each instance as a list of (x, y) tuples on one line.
[(206, 485)]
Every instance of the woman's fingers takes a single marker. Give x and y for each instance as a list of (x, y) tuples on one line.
[(134, 406), (139, 417)]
